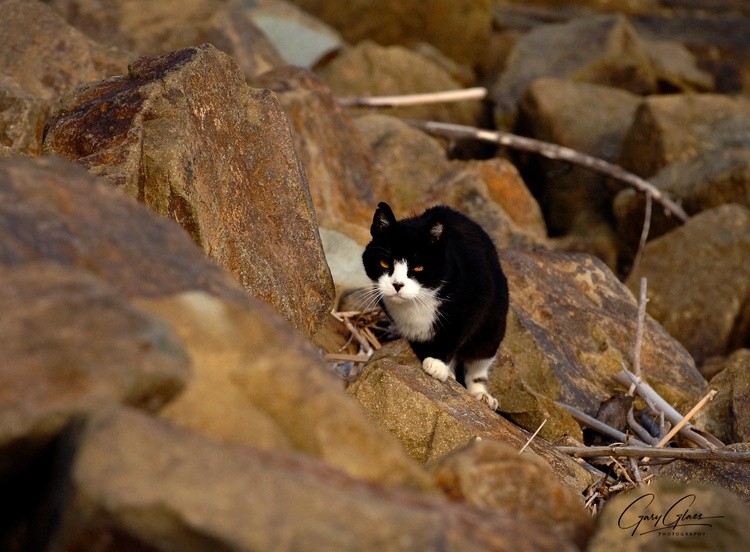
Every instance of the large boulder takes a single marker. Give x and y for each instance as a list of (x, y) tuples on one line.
[(139, 482), (437, 22), (151, 28), (697, 279), (728, 415), (184, 134), (46, 56)]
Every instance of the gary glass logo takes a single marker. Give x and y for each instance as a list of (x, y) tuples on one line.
[(681, 518)]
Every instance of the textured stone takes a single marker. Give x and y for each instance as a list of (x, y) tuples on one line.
[(344, 183), (432, 418), (152, 28), (257, 383), (697, 281), (573, 328), (141, 483), (22, 118), (437, 22), (72, 345), (368, 69), (46, 56), (53, 210), (184, 134)]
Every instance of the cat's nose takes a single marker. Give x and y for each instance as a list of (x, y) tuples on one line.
[(397, 286)]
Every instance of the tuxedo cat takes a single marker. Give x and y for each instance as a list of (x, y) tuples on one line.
[(439, 279)]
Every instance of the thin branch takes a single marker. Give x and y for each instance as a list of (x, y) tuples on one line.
[(639, 430), (740, 457), (686, 418), (644, 232), (477, 93), (552, 151), (523, 448), (600, 426), (642, 300)]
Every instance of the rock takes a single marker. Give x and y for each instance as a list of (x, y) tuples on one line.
[(677, 127), (437, 22), (344, 183), (573, 328), (176, 490), (697, 281), (368, 69), (22, 117), (709, 179), (492, 475), (344, 258), (301, 39), (728, 415), (588, 118), (603, 50), (257, 383), (410, 161), (71, 346), (666, 507), (184, 134), (431, 418), (53, 210), (734, 477), (149, 28), (46, 56)]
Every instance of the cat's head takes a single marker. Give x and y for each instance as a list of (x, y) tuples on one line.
[(405, 258)]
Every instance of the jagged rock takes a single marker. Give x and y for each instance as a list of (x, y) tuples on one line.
[(22, 117), (728, 415), (572, 328), (732, 476), (677, 127), (492, 475), (301, 39), (53, 210), (152, 28), (176, 490), (184, 134), (344, 183), (72, 345), (257, 383), (675, 516), (697, 281), (46, 56), (603, 50), (432, 418), (438, 22), (368, 69), (590, 119)]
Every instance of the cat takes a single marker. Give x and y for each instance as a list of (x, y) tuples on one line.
[(439, 279)]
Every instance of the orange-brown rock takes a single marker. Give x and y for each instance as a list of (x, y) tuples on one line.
[(184, 134)]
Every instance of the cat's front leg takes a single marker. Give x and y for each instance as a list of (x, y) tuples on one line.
[(439, 369), (477, 378)]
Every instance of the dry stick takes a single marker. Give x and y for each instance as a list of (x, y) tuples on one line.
[(600, 426), (639, 333), (523, 448), (658, 404), (552, 151), (740, 457), (445, 96), (644, 232), (686, 418), (639, 430), (344, 357)]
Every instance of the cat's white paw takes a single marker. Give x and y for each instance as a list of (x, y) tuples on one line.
[(487, 399), (436, 368)]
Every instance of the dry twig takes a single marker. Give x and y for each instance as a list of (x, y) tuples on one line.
[(679, 425), (552, 151), (600, 426), (523, 448), (713, 455), (477, 93)]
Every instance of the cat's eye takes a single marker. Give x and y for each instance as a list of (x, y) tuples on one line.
[(385, 264), (418, 268)]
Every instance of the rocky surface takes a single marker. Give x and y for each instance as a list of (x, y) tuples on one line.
[(184, 134), (235, 434)]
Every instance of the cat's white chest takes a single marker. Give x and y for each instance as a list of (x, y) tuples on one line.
[(415, 319)]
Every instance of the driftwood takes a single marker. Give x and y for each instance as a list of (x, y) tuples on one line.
[(464, 94)]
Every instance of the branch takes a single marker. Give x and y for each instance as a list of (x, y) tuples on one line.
[(642, 300), (600, 426), (552, 151), (686, 418), (740, 457), (477, 93)]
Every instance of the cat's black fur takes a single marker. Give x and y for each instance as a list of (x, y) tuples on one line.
[(460, 259)]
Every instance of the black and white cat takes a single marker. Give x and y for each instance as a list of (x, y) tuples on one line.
[(439, 279)]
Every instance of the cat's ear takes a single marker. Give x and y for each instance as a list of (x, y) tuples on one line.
[(383, 219)]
